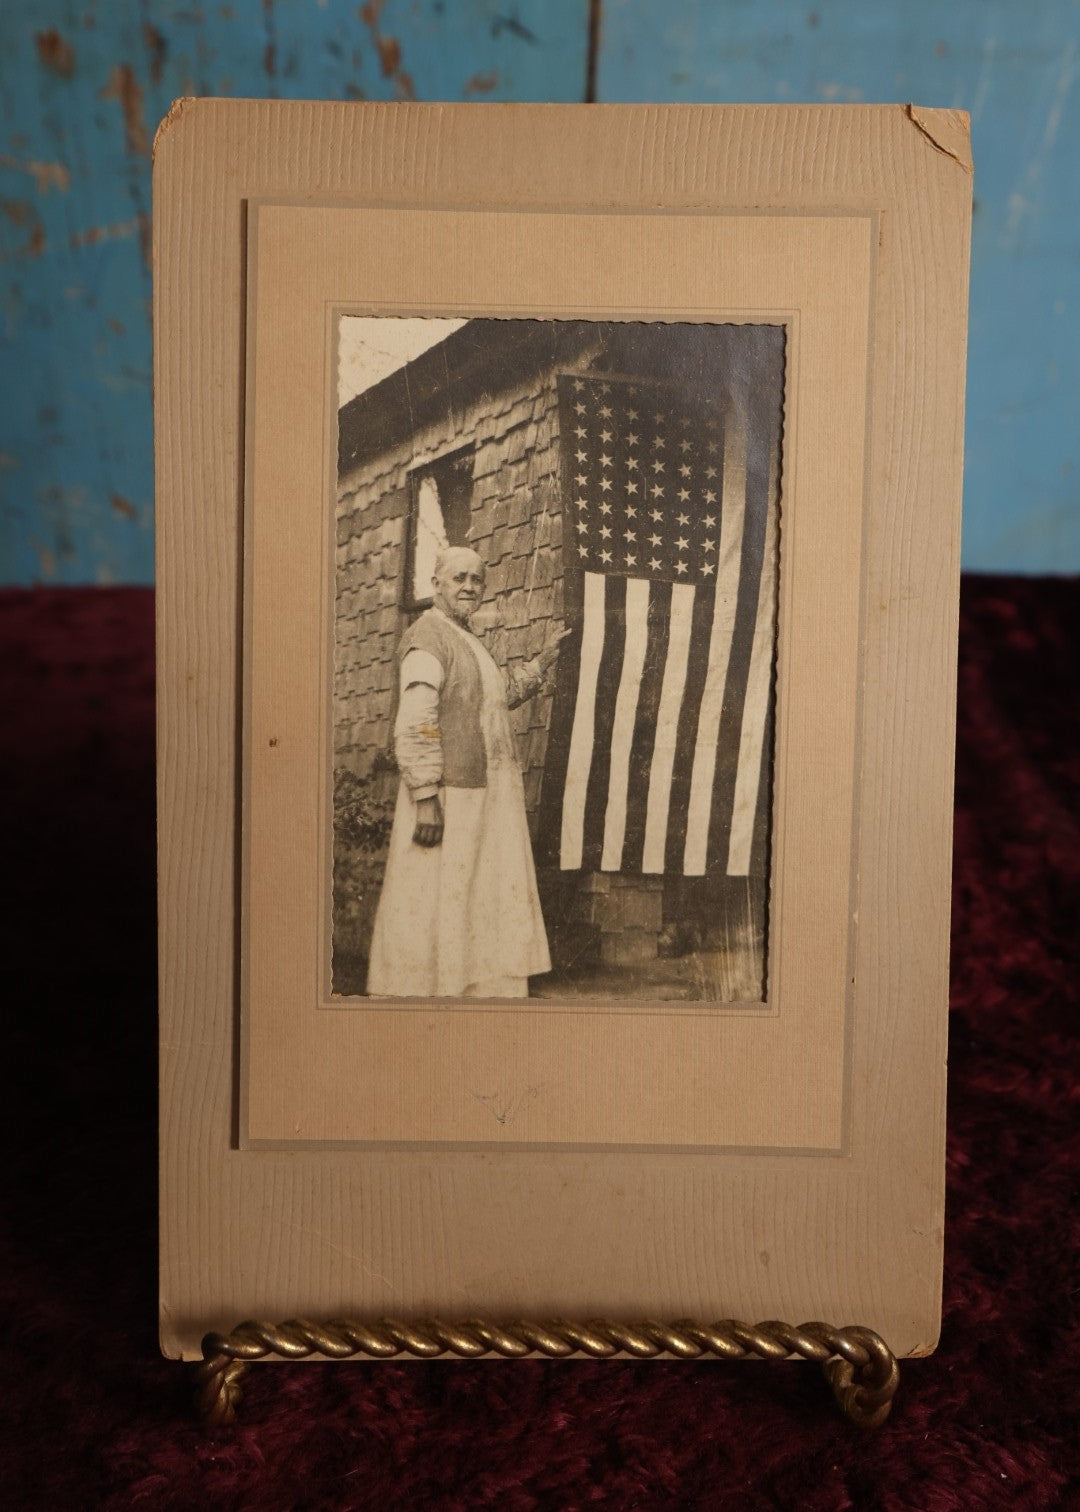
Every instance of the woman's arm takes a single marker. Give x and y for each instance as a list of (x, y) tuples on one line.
[(418, 742), (525, 682)]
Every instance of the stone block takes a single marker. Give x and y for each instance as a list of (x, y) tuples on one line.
[(633, 908), (627, 948), (589, 909), (632, 883)]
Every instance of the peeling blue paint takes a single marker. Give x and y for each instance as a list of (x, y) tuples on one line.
[(1016, 68), (83, 85), (82, 88)]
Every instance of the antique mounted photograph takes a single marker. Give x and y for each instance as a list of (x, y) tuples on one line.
[(554, 652), (557, 661)]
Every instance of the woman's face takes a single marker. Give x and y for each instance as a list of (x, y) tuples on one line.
[(459, 584)]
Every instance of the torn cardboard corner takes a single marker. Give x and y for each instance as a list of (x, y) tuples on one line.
[(948, 131), (175, 111)]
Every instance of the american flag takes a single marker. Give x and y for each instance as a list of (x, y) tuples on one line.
[(661, 728)]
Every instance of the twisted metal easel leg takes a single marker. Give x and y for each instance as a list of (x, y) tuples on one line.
[(858, 1364)]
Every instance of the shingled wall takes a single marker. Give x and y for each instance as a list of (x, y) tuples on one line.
[(516, 523), (516, 526)]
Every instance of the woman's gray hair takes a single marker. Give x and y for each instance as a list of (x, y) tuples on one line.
[(445, 553)]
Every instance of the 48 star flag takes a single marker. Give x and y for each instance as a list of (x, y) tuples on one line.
[(660, 742)]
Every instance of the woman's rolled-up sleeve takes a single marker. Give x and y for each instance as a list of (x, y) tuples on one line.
[(524, 682), (417, 737)]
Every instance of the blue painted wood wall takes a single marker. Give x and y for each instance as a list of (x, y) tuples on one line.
[(83, 84)]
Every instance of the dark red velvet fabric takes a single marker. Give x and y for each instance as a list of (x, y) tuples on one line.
[(93, 1418)]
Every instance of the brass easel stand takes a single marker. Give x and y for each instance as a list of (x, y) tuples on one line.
[(859, 1365)]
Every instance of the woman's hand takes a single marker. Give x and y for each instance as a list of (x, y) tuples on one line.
[(549, 654), (429, 822)]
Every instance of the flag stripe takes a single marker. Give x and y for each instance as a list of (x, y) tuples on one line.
[(742, 640), (607, 688), (622, 733), (581, 737), (659, 799), (759, 849), (687, 733), (759, 682), (567, 676), (645, 726), (659, 754), (703, 775)]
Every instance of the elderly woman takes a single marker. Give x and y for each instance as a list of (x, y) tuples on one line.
[(459, 914)]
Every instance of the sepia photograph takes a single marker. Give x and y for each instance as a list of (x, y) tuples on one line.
[(555, 600)]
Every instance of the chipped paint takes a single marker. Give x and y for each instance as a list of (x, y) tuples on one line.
[(157, 51), (388, 48), (22, 215), (481, 84), (124, 86), (1015, 69), (80, 165), (93, 236), (270, 49), (84, 86), (513, 24), (46, 176), (55, 53)]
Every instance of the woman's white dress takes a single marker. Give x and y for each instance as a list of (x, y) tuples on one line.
[(462, 918)]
